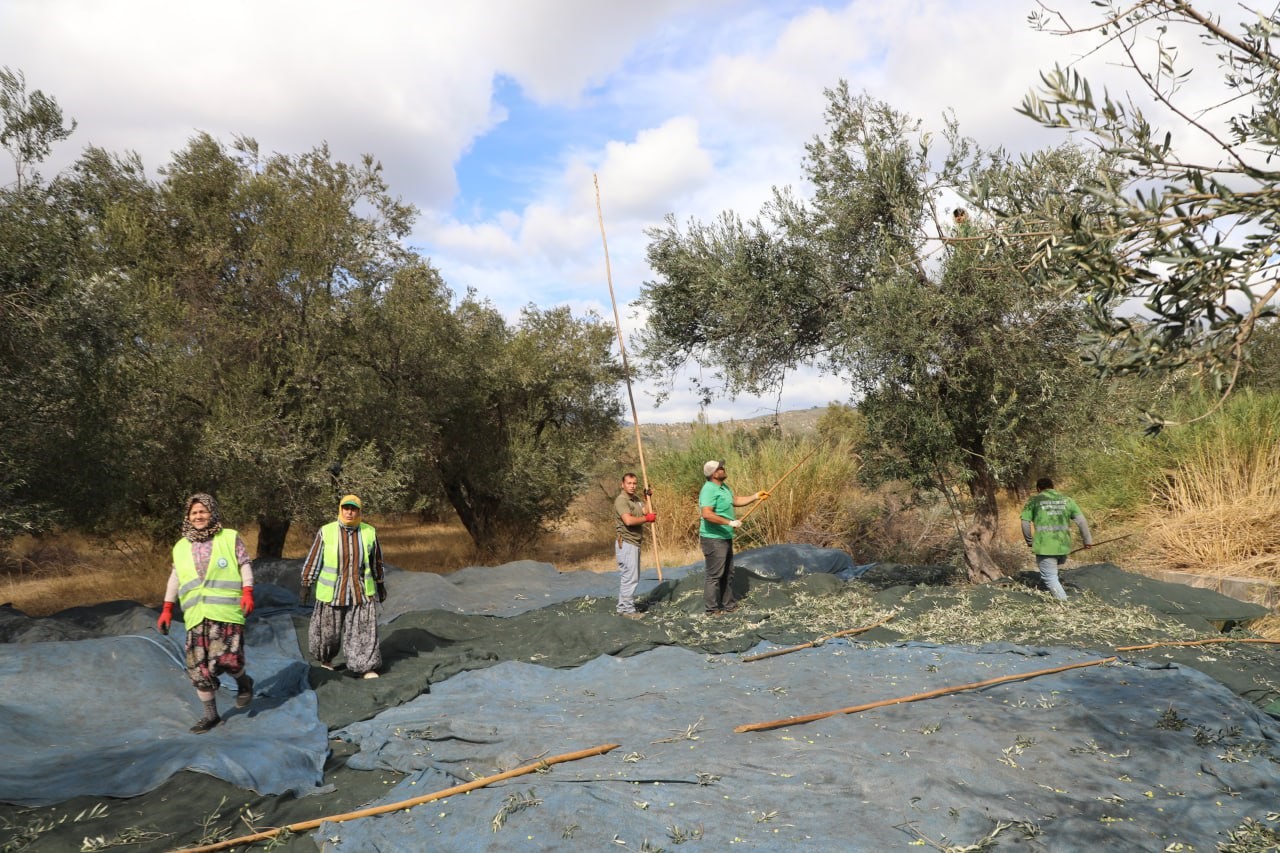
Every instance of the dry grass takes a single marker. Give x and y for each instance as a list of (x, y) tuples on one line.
[(44, 576), (1233, 536), (416, 547), (578, 544), (1267, 628), (1216, 511)]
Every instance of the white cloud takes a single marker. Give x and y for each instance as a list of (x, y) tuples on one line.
[(641, 177), (489, 243)]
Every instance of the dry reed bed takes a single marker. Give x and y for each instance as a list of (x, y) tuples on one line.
[(1216, 509)]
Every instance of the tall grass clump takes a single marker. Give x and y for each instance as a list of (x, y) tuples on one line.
[(1205, 494), (816, 494), (43, 575)]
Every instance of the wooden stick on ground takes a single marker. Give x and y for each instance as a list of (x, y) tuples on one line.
[(405, 804), (1195, 643), (942, 691), (809, 645), (626, 373), (790, 471)]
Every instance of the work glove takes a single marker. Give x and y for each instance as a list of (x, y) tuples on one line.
[(382, 592), (762, 495), (650, 517), (166, 618), (735, 524), (246, 600), (306, 595)]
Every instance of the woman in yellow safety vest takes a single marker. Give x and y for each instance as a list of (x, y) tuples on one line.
[(213, 578), (344, 568)]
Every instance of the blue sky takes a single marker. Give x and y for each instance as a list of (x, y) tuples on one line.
[(502, 168), (493, 116)]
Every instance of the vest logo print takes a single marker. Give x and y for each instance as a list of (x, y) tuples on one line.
[(222, 562)]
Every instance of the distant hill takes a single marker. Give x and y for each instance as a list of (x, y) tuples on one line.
[(795, 423)]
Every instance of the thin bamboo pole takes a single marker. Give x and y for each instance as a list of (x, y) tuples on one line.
[(916, 697), (1196, 643), (809, 645), (1103, 542), (305, 825), (770, 490), (626, 373)]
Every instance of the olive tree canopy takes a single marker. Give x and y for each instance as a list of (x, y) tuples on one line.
[(965, 373)]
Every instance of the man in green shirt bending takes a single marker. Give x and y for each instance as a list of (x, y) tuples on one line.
[(1050, 513)]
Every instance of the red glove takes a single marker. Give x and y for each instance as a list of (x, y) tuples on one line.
[(650, 517), (246, 600), (166, 618)]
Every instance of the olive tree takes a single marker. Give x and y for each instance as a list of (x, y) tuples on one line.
[(65, 348), (965, 375), (528, 409), (255, 326)]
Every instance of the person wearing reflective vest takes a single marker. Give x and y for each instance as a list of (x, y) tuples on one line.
[(1046, 527), (212, 578), (344, 573)]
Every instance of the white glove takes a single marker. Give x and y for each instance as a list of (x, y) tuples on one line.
[(735, 523)]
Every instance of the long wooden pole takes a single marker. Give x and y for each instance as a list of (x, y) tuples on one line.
[(916, 697), (405, 804), (790, 471), (626, 372), (812, 643)]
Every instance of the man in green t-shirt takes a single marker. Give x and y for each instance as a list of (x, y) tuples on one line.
[(1049, 514), (716, 503), (631, 515)]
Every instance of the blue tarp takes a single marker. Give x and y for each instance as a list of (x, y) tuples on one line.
[(109, 716), (1087, 759)]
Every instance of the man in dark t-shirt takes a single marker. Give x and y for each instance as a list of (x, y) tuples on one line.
[(631, 518)]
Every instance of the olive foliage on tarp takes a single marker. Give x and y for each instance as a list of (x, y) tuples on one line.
[(491, 667)]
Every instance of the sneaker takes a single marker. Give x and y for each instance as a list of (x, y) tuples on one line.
[(729, 609), (324, 664), (632, 615), (205, 724), (370, 674), (245, 694)]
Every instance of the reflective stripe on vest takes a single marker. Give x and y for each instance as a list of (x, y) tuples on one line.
[(217, 597), (366, 538)]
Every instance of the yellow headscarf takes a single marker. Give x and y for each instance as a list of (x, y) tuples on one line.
[(350, 500)]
